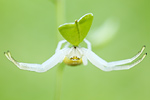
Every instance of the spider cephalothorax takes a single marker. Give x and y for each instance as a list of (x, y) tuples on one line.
[(73, 57)]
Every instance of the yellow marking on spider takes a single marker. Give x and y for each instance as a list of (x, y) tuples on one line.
[(72, 61)]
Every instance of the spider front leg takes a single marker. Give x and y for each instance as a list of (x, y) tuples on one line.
[(109, 66), (123, 67), (51, 62), (9, 57), (121, 62)]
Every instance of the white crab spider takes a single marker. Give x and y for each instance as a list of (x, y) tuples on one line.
[(76, 56)]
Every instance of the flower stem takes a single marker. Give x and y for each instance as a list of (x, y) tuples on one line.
[(59, 78), (60, 19), (60, 15)]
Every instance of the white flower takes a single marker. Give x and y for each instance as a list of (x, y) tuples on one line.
[(75, 56)]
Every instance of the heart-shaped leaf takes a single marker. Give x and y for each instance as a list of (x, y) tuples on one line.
[(75, 32)]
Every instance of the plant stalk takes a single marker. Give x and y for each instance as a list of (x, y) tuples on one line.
[(60, 15), (60, 19), (59, 78)]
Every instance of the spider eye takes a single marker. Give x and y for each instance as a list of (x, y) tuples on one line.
[(74, 58)]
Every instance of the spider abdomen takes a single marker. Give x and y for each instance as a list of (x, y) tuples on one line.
[(73, 61)]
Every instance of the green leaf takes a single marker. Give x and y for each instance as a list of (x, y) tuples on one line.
[(75, 32)]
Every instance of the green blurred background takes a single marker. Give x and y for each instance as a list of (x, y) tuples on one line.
[(28, 29)]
